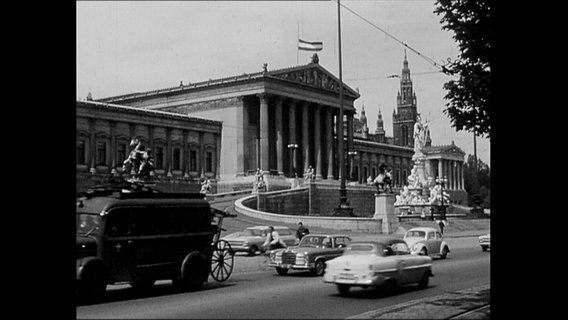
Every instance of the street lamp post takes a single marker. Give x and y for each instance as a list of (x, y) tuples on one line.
[(293, 147), (441, 181)]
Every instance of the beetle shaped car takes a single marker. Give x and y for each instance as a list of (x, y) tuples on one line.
[(386, 262), (427, 242)]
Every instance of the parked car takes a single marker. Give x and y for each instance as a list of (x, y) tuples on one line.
[(311, 254), (485, 241), (383, 263), (251, 239), (141, 237), (427, 242)]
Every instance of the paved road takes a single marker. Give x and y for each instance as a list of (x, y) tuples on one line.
[(256, 291)]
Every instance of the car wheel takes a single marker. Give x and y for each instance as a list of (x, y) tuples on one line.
[(484, 248), (92, 287), (444, 253), (252, 251), (423, 284), (282, 271), (390, 286), (423, 252), (343, 289), (319, 268)]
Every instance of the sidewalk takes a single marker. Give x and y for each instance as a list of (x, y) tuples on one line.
[(473, 303)]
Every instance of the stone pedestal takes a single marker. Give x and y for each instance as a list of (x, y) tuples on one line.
[(384, 210), (343, 212)]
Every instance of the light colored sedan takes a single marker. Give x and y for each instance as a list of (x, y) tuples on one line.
[(426, 241), (485, 241), (386, 262), (251, 239)]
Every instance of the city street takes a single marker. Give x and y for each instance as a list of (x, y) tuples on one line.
[(256, 291)]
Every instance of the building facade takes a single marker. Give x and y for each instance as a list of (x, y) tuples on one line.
[(280, 121), (182, 147)]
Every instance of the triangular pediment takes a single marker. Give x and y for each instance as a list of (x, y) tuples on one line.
[(313, 75)]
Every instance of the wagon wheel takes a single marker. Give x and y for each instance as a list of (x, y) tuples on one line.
[(222, 261)]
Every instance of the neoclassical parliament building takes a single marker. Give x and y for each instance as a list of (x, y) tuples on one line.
[(280, 121)]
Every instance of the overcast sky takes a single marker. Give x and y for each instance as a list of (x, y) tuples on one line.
[(125, 47)]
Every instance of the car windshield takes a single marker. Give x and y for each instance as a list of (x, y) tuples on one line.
[(88, 224), (415, 234), (360, 248), (313, 241), (252, 232)]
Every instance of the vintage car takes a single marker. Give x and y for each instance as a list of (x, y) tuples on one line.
[(427, 242), (251, 239), (141, 237), (311, 254), (485, 241), (382, 263)]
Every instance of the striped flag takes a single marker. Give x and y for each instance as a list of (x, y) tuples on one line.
[(310, 46)]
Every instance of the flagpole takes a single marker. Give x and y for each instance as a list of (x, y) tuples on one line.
[(343, 208), (297, 47)]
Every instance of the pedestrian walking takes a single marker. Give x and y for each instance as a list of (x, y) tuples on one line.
[(302, 231), (273, 240)]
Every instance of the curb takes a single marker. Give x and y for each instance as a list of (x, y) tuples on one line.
[(456, 305)]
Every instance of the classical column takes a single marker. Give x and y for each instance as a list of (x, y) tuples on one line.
[(279, 138), (264, 156), (340, 153), (292, 136), (168, 151), (360, 177), (461, 173), (329, 142), (305, 136), (317, 141), (92, 146), (242, 136), (201, 161), (113, 147), (350, 132), (184, 156)]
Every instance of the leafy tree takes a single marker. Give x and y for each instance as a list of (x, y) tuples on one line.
[(469, 97), (483, 187)]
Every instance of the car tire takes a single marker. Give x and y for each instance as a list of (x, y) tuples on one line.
[(483, 248), (195, 274), (319, 268), (423, 252), (444, 253), (252, 250), (343, 289), (423, 284), (282, 271), (92, 287)]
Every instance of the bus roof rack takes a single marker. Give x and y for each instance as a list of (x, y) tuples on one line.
[(118, 187)]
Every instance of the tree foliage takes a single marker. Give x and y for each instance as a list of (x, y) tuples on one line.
[(483, 186), (469, 97)]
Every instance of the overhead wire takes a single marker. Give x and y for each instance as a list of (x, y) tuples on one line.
[(428, 59)]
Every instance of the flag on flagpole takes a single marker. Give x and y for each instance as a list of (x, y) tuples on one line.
[(310, 46)]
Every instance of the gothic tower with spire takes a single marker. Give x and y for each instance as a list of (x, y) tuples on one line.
[(380, 130), (404, 116)]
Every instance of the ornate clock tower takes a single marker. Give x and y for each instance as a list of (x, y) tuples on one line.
[(404, 117)]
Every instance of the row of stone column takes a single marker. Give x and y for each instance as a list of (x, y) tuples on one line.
[(453, 171), (168, 152), (397, 164), (324, 153)]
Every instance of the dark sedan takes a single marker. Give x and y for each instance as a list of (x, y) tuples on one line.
[(311, 254)]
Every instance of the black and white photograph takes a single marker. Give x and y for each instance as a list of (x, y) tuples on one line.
[(283, 159)]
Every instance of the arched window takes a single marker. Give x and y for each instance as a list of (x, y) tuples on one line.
[(404, 135)]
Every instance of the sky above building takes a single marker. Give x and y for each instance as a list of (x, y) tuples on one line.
[(125, 47)]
